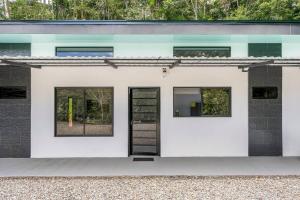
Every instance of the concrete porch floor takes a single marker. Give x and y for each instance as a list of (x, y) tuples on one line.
[(265, 166)]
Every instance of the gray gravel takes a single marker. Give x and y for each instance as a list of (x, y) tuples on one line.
[(177, 187)]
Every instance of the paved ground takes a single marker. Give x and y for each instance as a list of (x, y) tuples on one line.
[(161, 166), (151, 188)]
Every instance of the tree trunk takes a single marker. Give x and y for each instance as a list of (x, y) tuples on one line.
[(194, 8), (204, 10), (6, 10)]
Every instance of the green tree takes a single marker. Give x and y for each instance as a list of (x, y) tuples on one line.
[(152, 9), (25, 9), (239, 14)]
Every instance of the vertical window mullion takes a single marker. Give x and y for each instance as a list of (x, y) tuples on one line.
[(201, 95)]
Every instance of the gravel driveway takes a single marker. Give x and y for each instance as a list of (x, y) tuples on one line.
[(177, 187)]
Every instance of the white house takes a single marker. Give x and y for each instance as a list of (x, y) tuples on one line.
[(168, 89)]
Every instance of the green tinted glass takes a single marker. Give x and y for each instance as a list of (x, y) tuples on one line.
[(264, 49)]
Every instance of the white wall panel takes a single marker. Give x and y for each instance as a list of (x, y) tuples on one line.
[(291, 111), (202, 136)]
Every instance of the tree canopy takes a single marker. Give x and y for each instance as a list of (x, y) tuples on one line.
[(151, 10)]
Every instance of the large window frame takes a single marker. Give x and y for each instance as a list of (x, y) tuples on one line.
[(201, 88), (83, 135), (209, 48), (84, 47)]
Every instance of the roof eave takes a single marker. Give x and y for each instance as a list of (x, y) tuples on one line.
[(150, 27)]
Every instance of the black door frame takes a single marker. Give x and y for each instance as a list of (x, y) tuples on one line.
[(130, 116)]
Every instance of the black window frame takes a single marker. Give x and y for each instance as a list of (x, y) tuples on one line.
[(199, 47), (83, 135), (203, 116), (70, 47)]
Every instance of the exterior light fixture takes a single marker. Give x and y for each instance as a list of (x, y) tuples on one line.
[(245, 69), (164, 72)]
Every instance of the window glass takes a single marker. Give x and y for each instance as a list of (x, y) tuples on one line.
[(264, 49), (264, 92), (216, 101), (15, 49), (84, 111), (195, 102), (69, 111), (187, 102), (98, 111), (201, 51), (13, 92), (84, 51)]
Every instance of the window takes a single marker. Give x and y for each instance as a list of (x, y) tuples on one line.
[(84, 51), (264, 49), (201, 51), (13, 92), (84, 111), (198, 101), (15, 49), (264, 92)]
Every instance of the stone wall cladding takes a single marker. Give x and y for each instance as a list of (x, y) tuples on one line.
[(15, 115), (265, 115)]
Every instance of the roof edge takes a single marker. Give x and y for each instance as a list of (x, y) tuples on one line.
[(218, 27), (145, 22)]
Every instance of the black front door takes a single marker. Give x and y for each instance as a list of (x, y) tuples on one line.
[(144, 121)]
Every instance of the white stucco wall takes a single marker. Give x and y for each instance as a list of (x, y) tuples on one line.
[(179, 136), (291, 111), (203, 136)]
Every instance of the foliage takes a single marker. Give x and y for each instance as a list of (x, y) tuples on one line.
[(216, 102), (24, 9), (152, 9)]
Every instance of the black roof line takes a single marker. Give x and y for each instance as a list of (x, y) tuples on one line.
[(145, 22)]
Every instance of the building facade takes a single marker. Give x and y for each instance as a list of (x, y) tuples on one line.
[(168, 89)]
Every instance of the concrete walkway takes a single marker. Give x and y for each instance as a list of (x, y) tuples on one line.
[(161, 166)]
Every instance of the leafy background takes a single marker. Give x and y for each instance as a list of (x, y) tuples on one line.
[(151, 9)]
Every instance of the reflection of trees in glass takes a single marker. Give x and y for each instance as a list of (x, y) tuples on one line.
[(62, 104), (99, 105), (216, 101), (202, 51)]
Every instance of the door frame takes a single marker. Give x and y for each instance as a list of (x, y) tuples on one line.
[(158, 143)]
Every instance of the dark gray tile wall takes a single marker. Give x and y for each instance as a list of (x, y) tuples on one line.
[(15, 115), (15, 134), (265, 115)]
